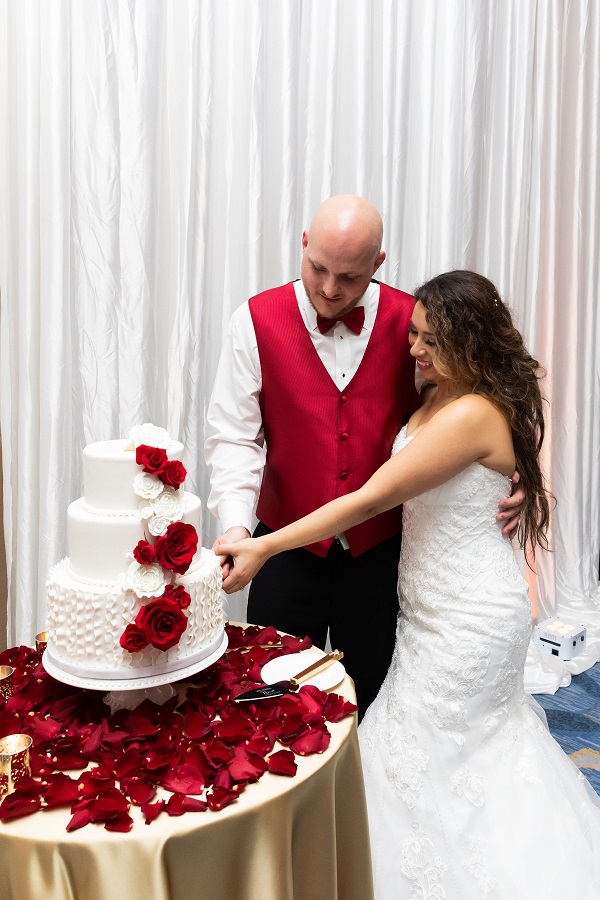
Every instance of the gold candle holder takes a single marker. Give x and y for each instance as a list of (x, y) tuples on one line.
[(6, 681), (14, 761), (41, 640)]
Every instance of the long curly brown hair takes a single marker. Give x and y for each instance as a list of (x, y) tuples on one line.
[(478, 346)]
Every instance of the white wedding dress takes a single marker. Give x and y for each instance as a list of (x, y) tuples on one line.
[(468, 794)]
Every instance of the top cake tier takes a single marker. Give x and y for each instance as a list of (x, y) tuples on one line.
[(109, 470)]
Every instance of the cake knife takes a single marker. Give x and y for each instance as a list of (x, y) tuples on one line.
[(287, 687)]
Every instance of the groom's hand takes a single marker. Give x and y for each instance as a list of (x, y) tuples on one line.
[(510, 508), (231, 536)]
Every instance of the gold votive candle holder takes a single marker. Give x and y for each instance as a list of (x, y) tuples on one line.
[(41, 640), (6, 681), (14, 761)]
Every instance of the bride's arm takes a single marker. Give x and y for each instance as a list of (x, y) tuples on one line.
[(466, 430)]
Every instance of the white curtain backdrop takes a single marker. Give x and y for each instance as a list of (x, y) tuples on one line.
[(158, 162)]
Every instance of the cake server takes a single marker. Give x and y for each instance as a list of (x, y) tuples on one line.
[(287, 687)]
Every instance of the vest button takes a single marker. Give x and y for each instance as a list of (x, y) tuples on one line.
[(343, 475), (343, 399), (344, 436)]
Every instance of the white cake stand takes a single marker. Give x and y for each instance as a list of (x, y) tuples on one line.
[(162, 675)]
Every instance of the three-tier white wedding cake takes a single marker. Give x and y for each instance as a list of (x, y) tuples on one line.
[(137, 601)]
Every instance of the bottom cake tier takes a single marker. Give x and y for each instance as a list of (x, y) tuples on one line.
[(86, 621)]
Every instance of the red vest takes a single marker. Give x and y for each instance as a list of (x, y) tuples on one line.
[(322, 442)]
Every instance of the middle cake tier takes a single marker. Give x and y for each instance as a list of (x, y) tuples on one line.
[(99, 545)]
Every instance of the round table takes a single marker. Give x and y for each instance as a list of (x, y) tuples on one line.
[(300, 838)]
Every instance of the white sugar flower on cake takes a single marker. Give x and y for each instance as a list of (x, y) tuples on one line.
[(169, 504), (157, 525), (150, 435), (147, 486), (146, 581), (164, 509)]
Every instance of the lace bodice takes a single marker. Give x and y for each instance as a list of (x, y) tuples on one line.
[(452, 545)]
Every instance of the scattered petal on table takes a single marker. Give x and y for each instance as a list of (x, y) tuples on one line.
[(283, 762), (152, 810)]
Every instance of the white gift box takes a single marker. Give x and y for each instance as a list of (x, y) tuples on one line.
[(560, 638)]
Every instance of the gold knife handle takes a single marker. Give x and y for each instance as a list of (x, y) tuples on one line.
[(323, 663)]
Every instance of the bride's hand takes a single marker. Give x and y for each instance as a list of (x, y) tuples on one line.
[(247, 558)]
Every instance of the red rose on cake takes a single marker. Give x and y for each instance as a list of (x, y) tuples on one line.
[(161, 622), (177, 547), (144, 553), (152, 459), (173, 474), (178, 594), (133, 639)]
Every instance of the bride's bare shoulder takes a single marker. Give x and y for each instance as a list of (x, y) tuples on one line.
[(474, 411)]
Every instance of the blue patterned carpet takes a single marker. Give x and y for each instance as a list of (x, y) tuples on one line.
[(574, 719)]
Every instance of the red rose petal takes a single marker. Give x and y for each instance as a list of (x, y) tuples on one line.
[(65, 709), (193, 804), (184, 779), (254, 674), (196, 757), (336, 708), (292, 727), (138, 790), (126, 764), (295, 644), (223, 780), (260, 743), (219, 798), (158, 762), (174, 805), (122, 823), (268, 635), (314, 741), (140, 725), (79, 819), (196, 725), (236, 636), (234, 728), (245, 766), (66, 753), (152, 810), (10, 723), (108, 806), (16, 805), (60, 789), (231, 678), (283, 762), (312, 697), (43, 730)]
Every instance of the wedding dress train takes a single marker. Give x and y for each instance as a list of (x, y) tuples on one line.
[(468, 794)]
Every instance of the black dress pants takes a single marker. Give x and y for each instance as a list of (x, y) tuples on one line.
[(354, 598)]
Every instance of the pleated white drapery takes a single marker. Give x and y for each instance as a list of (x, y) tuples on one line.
[(158, 162)]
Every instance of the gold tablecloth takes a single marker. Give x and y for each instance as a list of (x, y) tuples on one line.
[(300, 838)]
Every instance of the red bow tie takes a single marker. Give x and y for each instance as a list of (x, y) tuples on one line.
[(354, 320)]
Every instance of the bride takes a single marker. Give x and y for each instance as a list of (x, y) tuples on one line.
[(468, 794)]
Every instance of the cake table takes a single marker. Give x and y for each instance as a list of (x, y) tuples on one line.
[(300, 838)]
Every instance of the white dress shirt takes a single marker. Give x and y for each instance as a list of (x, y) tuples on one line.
[(235, 449)]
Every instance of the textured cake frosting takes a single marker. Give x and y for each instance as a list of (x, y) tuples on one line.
[(97, 592)]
